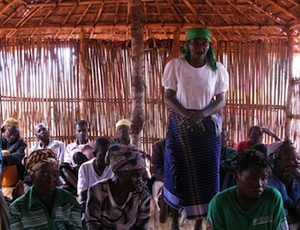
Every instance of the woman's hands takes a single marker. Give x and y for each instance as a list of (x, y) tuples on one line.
[(193, 121)]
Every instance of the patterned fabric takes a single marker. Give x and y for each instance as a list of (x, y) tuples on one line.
[(125, 158), (28, 213), (191, 158), (38, 158), (102, 212), (57, 146)]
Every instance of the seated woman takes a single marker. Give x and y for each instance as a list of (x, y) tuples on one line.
[(251, 204), (286, 176), (122, 202), (44, 206)]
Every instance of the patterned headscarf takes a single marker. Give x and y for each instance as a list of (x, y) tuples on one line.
[(125, 158), (278, 148), (200, 33), (39, 157)]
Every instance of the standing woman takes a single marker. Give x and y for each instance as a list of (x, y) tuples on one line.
[(195, 87)]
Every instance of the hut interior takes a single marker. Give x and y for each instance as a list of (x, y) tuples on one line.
[(63, 60)]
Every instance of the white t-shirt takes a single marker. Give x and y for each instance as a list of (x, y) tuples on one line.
[(57, 146), (194, 87), (87, 176)]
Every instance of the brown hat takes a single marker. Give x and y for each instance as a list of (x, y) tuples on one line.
[(11, 122)]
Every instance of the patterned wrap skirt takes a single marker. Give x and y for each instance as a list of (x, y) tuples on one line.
[(191, 166)]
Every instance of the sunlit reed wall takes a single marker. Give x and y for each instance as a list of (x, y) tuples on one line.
[(41, 81)]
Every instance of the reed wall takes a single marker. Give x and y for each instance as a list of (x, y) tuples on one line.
[(43, 81)]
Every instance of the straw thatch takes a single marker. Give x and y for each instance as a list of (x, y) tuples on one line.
[(110, 19)]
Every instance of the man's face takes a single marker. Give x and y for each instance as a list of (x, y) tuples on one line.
[(42, 133), (123, 132), (255, 136), (81, 132), (288, 164)]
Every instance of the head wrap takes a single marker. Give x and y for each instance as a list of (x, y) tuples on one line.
[(39, 157), (12, 122), (125, 158), (278, 148), (123, 122), (196, 32)]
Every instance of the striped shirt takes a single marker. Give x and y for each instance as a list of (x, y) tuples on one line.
[(102, 212), (28, 212)]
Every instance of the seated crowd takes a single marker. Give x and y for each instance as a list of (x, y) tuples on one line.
[(101, 184)]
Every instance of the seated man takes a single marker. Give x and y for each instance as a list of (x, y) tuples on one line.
[(255, 136), (13, 151), (286, 177), (44, 206), (250, 204), (42, 133), (123, 130), (93, 170), (77, 153), (82, 145), (122, 202)]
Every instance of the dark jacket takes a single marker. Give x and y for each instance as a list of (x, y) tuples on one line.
[(16, 149)]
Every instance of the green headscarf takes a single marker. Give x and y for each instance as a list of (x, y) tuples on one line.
[(196, 32)]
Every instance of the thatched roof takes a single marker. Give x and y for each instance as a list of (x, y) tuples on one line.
[(110, 19)]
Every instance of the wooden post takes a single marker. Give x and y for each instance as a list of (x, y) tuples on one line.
[(83, 76), (288, 115), (137, 116)]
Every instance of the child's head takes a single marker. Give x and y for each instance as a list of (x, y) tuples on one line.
[(252, 173)]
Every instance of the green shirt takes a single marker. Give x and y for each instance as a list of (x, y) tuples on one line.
[(267, 213), (28, 212)]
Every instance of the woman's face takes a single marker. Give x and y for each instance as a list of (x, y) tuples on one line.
[(131, 180), (288, 163), (45, 178), (252, 182), (198, 48)]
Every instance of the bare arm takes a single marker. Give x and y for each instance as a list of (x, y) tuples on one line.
[(174, 104)]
